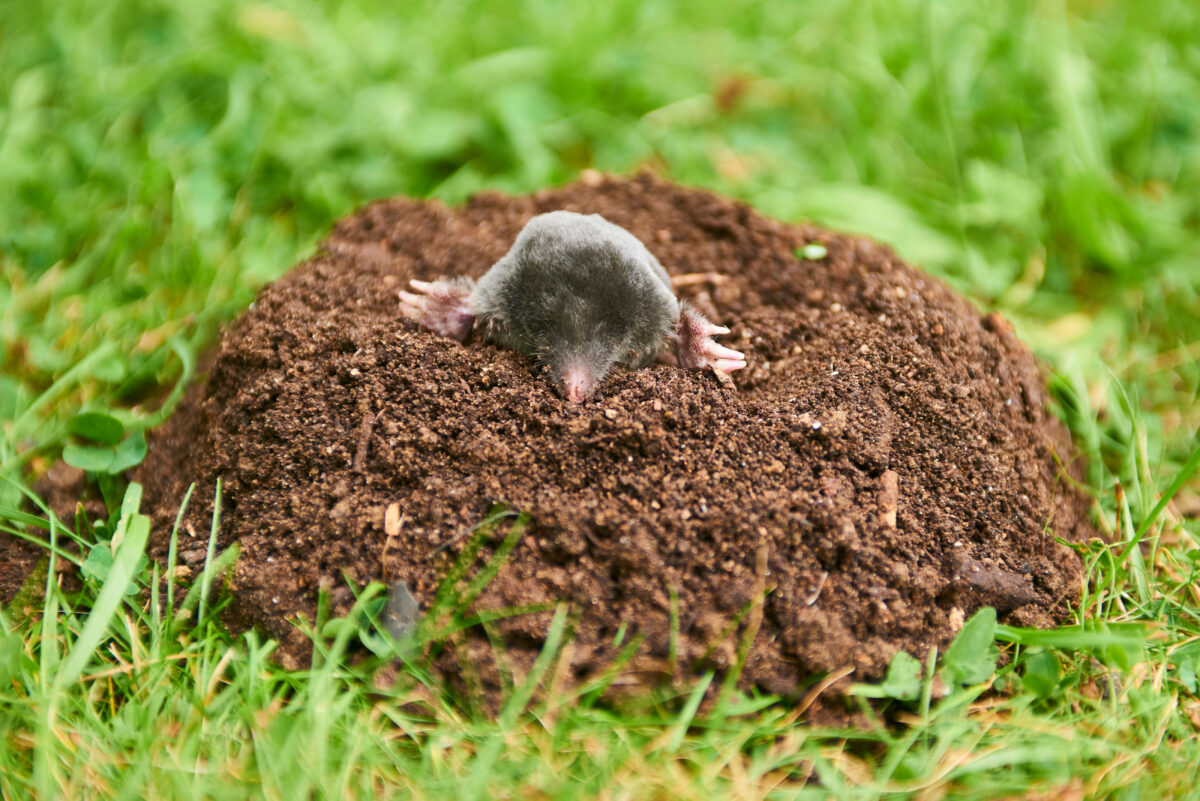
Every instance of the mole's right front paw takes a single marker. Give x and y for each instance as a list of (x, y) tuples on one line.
[(444, 306), (694, 346)]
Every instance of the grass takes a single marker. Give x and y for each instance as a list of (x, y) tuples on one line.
[(160, 161)]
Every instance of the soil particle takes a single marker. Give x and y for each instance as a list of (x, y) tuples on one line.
[(885, 467)]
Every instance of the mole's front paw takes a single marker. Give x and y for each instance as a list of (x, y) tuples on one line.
[(694, 346), (443, 307)]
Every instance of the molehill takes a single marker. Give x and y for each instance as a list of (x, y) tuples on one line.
[(885, 466)]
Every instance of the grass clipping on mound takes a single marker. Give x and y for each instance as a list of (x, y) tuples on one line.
[(886, 466)]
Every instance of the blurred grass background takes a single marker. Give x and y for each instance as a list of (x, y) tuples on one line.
[(159, 161)]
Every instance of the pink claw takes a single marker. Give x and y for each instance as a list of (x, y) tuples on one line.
[(444, 307), (695, 348)]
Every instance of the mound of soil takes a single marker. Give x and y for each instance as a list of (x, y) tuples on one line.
[(885, 467)]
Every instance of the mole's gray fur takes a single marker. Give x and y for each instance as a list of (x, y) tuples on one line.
[(579, 294), (576, 287)]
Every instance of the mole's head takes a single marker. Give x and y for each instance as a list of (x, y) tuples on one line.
[(578, 350), (579, 294)]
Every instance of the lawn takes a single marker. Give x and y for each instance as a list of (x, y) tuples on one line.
[(160, 161)]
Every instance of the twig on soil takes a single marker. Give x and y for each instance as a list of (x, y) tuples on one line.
[(889, 498), (364, 439), (393, 522), (824, 684), (760, 591), (691, 279)]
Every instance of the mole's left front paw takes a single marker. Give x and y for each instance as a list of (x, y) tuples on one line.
[(694, 346)]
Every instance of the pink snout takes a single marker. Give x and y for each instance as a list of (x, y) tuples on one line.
[(577, 383)]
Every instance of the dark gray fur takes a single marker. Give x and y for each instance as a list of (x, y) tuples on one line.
[(577, 290)]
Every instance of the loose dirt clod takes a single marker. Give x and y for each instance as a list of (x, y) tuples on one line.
[(886, 465)]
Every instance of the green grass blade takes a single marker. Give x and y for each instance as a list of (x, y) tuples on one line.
[(131, 548)]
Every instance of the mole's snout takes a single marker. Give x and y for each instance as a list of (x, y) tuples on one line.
[(577, 383)]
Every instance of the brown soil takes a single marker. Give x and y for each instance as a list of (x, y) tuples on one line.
[(886, 466), (17, 560)]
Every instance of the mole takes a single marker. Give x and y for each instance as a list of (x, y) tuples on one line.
[(578, 294)]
